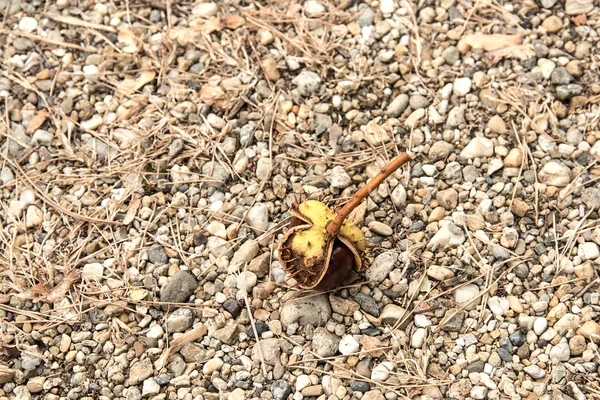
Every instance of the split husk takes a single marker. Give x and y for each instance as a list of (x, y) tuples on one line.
[(321, 248)]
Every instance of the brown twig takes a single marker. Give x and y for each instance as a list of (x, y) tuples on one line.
[(333, 228)]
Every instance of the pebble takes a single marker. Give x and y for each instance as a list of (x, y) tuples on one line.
[(313, 310), (343, 306), (561, 351), (448, 235), (269, 66), (140, 371), (514, 158), (462, 86), (216, 171), (33, 217), (307, 82), (348, 345), (325, 343), (478, 147), (93, 123), (246, 281), (382, 372), (467, 296), (590, 330), (439, 273), (535, 372), (314, 9), (380, 228), (271, 351), (479, 392), (588, 251), (440, 150), (245, 254), (158, 255), (339, 178), (576, 7), (205, 10), (179, 288), (382, 266), (93, 271), (539, 325), (367, 304), (27, 24), (497, 125), (228, 334), (554, 173), (258, 218), (387, 6), (552, 24), (397, 106), (150, 387), (6, 176), (399, 196), (281, 390), (577, 345), (180, 321), (392, 313), (418, 338)]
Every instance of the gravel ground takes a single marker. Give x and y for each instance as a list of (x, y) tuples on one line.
[(150, 153)]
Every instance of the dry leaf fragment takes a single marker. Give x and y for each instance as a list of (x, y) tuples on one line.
[(37, 121), (234, 21), (127, 38), (214, 95), (138, 294), (131, 85), (217, 24), (480, 41), (198, 332), (60, 290), (522, 52), (580, 19), (132, 210)]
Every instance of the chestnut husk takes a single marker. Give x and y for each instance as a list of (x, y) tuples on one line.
[(320, 249), (336, 269)]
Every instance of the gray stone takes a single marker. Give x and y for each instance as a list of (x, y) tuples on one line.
[(271, 351), (397, 106), (308, 83), (451, 55), (179, 288), (439, 151), (228, 335), (393, 313), (399, 195), (325, 343), (175, 147), (365, 17), (263, 168), (576, 7), (535, 372), (281, 390), (139, 371), (258, 217), (455, 321), (367, 304), (158, 255), (217, 172), (180, 320), (313, 310), (565, 92), (244, 255), (382, 266), (418, 101)]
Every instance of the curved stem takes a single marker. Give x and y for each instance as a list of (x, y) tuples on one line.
[(333, 228)]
